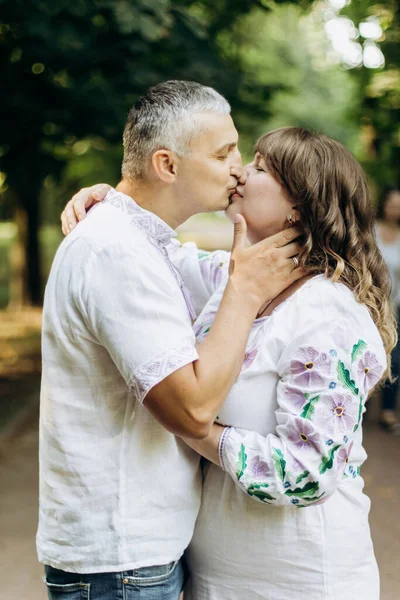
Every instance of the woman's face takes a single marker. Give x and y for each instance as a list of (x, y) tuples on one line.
[(262, 201), (391, 209)]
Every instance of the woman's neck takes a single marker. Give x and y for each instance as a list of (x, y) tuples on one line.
[(267, 308)]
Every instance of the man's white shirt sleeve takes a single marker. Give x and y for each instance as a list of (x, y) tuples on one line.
[(135, 310)]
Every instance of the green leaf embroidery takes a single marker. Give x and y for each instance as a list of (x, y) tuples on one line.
[(357, 349), (327, 461), (310, 488), (315, 497), (302, 476), (360, 408), (345, 378), (309, 408), (201, 255), (280, 463), (242, 456), (256, 491), (207, 329)]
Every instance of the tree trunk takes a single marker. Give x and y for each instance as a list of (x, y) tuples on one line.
[(18, 296), (29, 203)]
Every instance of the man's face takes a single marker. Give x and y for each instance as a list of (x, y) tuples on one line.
[(208, 174)]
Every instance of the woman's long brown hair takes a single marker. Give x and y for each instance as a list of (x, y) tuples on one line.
[(329, 190)]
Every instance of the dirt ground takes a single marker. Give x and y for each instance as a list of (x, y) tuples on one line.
[(21, 574)]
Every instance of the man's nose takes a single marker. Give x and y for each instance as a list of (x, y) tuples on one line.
[(237, 167)]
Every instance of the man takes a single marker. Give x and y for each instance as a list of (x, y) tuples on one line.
[(122, 377)]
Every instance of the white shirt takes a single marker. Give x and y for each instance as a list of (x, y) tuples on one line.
[(117, 491), (288, 519)]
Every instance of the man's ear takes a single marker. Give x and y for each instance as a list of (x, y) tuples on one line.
[(165, 165)]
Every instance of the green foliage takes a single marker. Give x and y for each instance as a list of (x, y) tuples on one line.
[(327, 461), (286, 78), (73, 70), (309, 408), (379, 93), (302, 476), (280, 463), (242, 464), (358, 349), (307, 490), (344, 376)]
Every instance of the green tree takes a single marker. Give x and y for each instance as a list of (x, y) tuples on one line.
[(73, 69), (379, 110)]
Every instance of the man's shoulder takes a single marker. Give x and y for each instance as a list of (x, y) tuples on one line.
[(107, 230)]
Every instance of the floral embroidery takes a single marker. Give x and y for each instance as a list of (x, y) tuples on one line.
[(358, 349), (287, 470), (258, 468), (309, 367), (343, 459), (337, 413), (302, 433), (296, 398), (340, 338), (249, 357), (369, 371)]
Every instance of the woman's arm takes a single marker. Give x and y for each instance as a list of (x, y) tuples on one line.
[(321, 399)]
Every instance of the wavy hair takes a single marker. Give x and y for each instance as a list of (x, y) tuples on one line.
[(329, 190)]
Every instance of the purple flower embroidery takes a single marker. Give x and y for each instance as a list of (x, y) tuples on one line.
[(338, 412), (340, 338), (258, 468), (342, 459), (249, 357), (301, 433), (369, 371), (295, 397), (310, 366)]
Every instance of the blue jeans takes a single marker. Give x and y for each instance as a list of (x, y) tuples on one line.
[(164, 582)]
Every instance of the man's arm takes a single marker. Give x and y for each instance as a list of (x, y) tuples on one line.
[(188, 401)]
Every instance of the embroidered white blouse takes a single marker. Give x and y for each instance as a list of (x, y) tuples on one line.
[(294, 442), (117, 491)]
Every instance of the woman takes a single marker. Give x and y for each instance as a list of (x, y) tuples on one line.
[(388, 237), (283, 515)]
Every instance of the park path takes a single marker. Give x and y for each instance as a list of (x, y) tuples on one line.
[(21, 573)]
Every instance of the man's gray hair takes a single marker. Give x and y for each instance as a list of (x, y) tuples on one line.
[(163, 118)]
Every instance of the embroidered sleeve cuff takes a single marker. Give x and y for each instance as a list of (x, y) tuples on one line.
[(159, 367), (221, 446)]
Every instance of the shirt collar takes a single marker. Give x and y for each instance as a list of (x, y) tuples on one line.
[(154, 227)]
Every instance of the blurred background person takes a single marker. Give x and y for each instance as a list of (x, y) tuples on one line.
[(388, 237)]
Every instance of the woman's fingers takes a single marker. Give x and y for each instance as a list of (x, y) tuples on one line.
[(291, 249), (76, 208)]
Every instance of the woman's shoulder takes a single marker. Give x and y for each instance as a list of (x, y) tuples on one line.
[(319, 308)]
